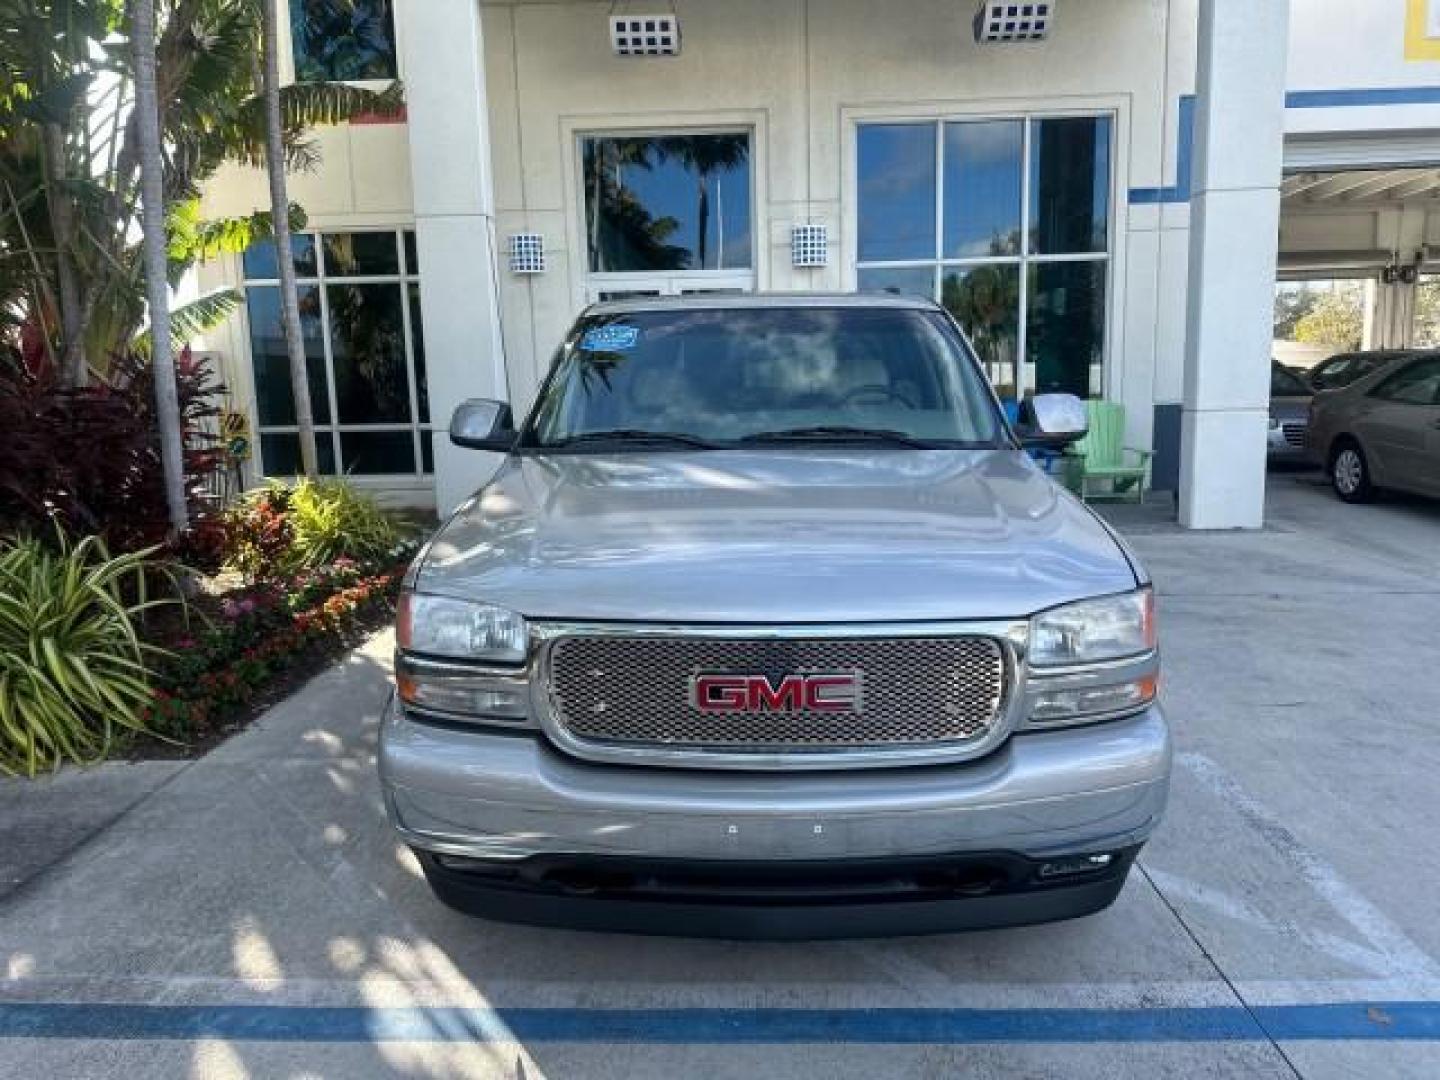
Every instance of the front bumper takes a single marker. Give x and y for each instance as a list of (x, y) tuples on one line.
[(1281, 447), (509, 797)]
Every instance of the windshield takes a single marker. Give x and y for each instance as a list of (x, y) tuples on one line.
[(1285, 383), (719, 377)]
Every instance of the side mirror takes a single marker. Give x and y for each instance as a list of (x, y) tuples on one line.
[(482, 424), (1052, 421)]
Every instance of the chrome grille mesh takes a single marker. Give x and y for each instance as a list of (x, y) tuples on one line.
[(916, 691)]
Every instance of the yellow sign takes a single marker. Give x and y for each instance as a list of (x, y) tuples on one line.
[(235, 435), (1422, 30)]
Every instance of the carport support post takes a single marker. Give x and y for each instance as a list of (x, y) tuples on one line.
[(1234, 230), (449, 122)]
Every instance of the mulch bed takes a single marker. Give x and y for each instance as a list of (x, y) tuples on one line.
[(220, 725), (238, 650)]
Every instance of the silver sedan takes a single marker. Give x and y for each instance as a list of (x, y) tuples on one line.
[(1382, 431)]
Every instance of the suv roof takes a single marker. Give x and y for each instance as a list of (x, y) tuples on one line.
[(720, 301)]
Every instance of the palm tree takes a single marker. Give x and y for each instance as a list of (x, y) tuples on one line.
[(279, 216), (152, 190), (707, 155), (624, 235), (60, 68)]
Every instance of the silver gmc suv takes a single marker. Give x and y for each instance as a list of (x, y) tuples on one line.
[(769, 625)]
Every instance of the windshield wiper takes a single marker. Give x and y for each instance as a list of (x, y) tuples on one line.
[(836, 433), (631, 435)]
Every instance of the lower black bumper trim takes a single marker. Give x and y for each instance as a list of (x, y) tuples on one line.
[(787, 901)]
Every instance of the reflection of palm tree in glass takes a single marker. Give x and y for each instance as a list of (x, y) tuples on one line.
[(340, 39), (706, 155), (986, 300), (367, 331), (623, 234)]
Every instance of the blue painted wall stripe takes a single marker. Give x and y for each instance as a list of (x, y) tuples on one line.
[(1179, 192), (1363, 96), (1359, 97), (1404, 1020)]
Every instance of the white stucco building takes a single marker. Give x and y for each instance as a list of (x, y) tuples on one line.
[(1100, 206)]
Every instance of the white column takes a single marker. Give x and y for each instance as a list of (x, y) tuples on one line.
[(1234, 229), (444, 73), (1373, 325)]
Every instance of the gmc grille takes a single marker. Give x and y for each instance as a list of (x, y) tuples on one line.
[(917, 692)]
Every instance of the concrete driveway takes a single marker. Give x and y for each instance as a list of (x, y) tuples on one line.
[(250, 915)]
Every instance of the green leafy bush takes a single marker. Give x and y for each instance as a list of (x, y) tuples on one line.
[(258, 534), (74, 673), (279, 530), (332, 520)]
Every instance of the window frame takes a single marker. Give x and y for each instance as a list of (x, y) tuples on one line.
[(1117, 206), (405, 277)]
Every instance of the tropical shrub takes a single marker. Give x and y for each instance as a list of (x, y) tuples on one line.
[(279, 530), (332, 520), (74, 671), (258, 535), (88, 460)]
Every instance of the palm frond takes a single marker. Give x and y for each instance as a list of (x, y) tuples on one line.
[(304, 106), (189, 321), (191, 238)]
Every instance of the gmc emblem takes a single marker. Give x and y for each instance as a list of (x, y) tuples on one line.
[(831, 691)]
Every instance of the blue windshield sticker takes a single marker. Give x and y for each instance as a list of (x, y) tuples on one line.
[(613, 338)]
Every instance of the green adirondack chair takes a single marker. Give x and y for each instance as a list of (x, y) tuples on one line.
[(1102, 460)]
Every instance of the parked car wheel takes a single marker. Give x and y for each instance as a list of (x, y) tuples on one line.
[(1350, 472)]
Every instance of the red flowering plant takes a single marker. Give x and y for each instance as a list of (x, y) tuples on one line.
[(262, 633), (259, 533)]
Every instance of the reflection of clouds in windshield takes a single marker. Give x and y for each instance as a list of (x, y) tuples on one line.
[(722, 374), (791, 361)]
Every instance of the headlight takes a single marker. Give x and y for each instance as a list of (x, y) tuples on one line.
[(444, 626), (1107, 628)]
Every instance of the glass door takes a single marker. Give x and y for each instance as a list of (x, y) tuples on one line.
[(667, 213)]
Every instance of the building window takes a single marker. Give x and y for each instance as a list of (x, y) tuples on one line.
[(668, 202), (343, 40), (1005, 222), (360, 318)]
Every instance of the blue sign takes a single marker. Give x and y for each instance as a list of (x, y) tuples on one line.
[(613, 338)]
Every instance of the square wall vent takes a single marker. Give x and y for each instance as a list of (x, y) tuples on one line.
[(1011, 21), (645, 35), (809, 245), (527, 253)]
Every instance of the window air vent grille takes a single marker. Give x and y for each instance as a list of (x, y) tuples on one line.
[(1011, 21), (645, 35)]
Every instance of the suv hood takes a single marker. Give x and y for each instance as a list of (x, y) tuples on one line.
[(788, 535)]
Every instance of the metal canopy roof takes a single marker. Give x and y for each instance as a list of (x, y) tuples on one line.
[(1359, 187)]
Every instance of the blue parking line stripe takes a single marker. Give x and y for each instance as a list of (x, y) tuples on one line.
[(1401, 1021)]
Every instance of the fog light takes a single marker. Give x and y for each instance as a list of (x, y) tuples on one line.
[(489, 702), (1073, 865), (1064, 706)]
